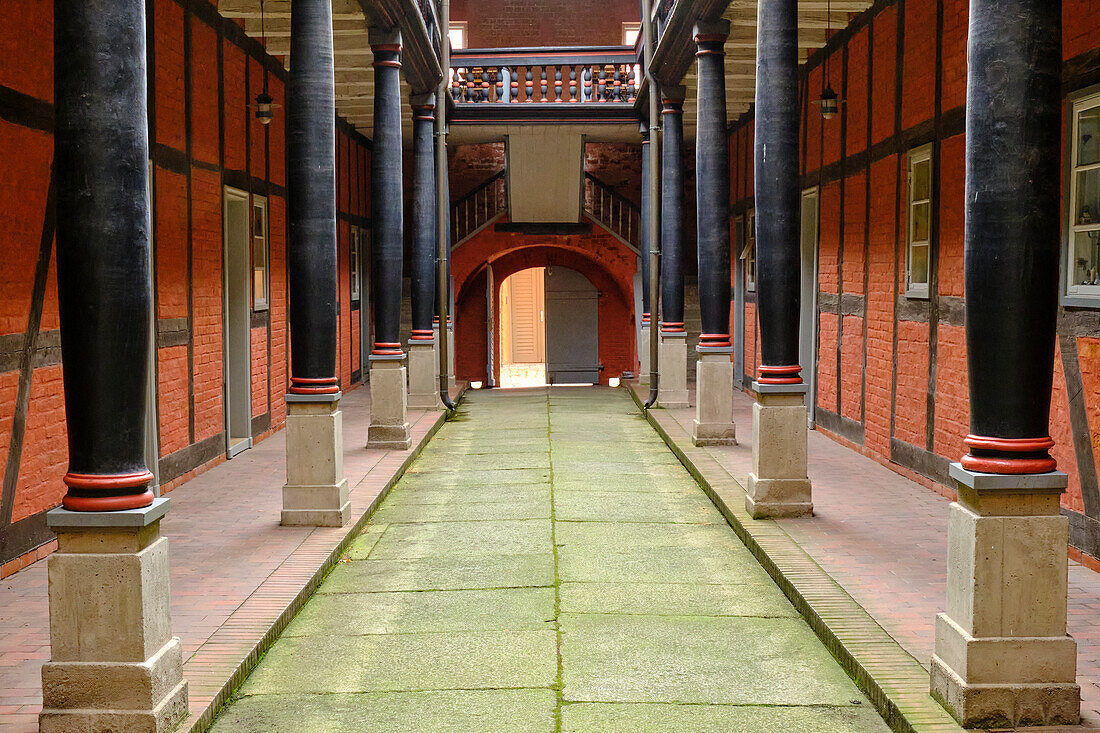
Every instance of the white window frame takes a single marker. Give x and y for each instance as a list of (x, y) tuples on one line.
[(917, 156), (748, 252), (260, 303), (356, 245), (458, 34), (1076, 293), (634, 28)]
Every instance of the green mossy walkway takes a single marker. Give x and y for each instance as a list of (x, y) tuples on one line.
[(547, 565)]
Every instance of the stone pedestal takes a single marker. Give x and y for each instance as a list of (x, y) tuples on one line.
[(114, 663), (714, 397), (389, 424), (778, 485), (316, 491), (643, 354), (672, 389), (1002, 657), (423, 376)]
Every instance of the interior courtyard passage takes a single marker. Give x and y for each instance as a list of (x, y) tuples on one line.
[(548, 565)]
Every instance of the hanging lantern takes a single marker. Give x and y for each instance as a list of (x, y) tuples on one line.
[(265, 108), (829, 102)]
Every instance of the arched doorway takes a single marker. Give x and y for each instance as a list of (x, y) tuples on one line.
[(549, 328)]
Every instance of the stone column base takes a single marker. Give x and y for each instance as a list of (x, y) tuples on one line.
[(316, 491), (1002, 656), (714, 398), (389, 424), (672, 392), (423, 376), (643, 354), (778, 484), (114, 663)]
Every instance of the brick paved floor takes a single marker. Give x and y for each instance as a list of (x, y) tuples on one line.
[(548, 565), (229, 557), (884, 538)]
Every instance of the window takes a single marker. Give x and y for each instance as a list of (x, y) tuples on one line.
[(353, 269), (1083, 266), (920, 220), (631, 31), (259, 254), (748, 252), (457, 34)]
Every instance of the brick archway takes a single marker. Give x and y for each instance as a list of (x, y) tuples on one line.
[(615, 309)]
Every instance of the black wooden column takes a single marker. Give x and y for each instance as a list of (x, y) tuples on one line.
[(712, 185), (423, 260), (646, 245), (311, 202), (101, 144), (387, 209), (778, 249), (672, 211), (1013, 128)]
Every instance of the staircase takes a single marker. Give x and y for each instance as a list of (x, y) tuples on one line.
[(479, 208), (614, 212)]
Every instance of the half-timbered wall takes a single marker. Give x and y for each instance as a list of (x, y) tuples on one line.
[(204, 73), (891, 369)]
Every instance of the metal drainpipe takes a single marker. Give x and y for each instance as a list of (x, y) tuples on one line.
[(654, 197), (443, 243)]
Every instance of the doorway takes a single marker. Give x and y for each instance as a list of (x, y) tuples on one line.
[(807, 331), (522, 329), (238, 321), (572, 328)]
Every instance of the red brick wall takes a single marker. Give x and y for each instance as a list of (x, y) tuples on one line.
[(189, 172), (606, 262), (509, 24), (899, 387)]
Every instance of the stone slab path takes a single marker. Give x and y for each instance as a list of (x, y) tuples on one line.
[(548, 565)]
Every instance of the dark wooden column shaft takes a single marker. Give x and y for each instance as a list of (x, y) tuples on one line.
[(387, 208), (646, 245), (423, 260), (1013, 129), (101, 145), (311, 203), (672, 213), (712, 176), (778, 250)]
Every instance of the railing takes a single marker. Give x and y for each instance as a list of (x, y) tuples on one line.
[(474, 211), (607, 75), (613, 211)]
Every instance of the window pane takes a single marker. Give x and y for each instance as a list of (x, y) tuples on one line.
[(1088, 136), (1087, 209), (921, 214), (918, 264), (922, 180), (259, 271), (1086, 258)]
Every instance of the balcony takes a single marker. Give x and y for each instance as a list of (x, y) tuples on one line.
[(544, 85)]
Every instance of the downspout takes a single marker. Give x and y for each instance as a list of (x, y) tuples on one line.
[(654, 237), (443, 213)]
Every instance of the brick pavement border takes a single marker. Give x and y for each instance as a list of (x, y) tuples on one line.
[(225, 660), (894, 680)]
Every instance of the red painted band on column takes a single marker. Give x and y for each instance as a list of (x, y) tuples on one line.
[(721, 340), (110, 491), (383, 47), (390, 64), (383, 348), (779, 374), (672, 327), (1009, 465), (421, 334), (314, 385)]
